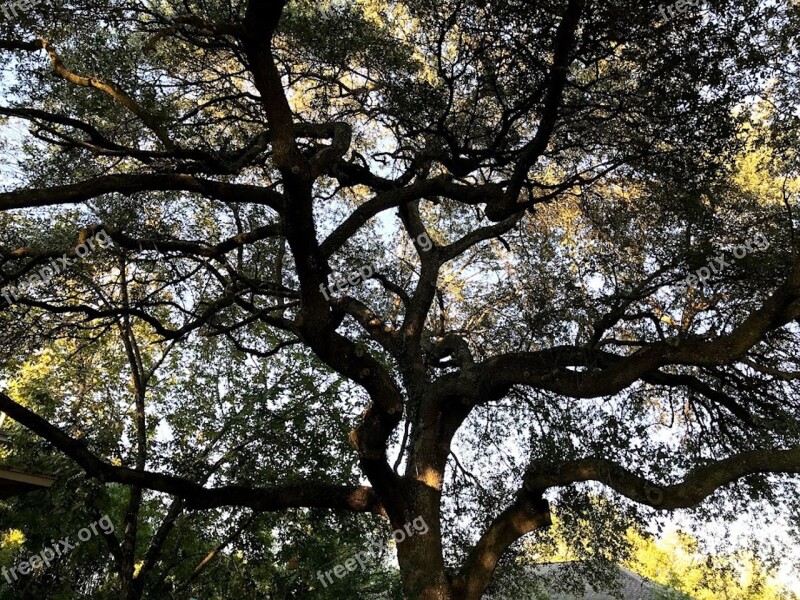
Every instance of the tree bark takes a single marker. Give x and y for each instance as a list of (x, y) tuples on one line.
[(420, 556)]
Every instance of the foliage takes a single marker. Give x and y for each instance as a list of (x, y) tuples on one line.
[(674, 559), (570, 162)]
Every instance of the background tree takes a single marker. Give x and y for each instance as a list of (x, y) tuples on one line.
[(570, 162), (674, 559)]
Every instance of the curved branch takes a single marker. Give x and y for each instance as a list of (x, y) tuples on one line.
[(488, 193), (558, 78), (479, 235), (606, 373), (196, 248), (701, 387), (111, 90), (130, 184), (698, 484), (341, 135), (528, 513), (274, 498), (261, 20), (95, 136), (379, 203)]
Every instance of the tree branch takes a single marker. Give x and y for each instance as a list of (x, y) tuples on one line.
[(564, 40), (273, 498), (130, 184), (528, 513), (698, 484)]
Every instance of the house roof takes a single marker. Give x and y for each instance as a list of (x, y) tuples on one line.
[(550, 579), (14, 483)]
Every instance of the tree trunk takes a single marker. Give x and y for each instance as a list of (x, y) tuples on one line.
[(420, 555)]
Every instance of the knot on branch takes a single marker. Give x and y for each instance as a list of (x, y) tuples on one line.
[(499, 204), (448, 346), (341, 136)]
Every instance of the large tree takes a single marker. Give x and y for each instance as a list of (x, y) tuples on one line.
[(531, 184)]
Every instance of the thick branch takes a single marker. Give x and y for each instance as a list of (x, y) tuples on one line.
[(195, 248), (558, 78), (261, 20), (696, 487), (528, 513), (130, 184), (273, 498), (606, 374)]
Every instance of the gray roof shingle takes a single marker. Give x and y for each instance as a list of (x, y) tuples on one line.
[(551, 578)]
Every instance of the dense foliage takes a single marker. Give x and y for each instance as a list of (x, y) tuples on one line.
[(581, 220)]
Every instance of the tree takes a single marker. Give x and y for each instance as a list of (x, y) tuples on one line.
[(578, 219), (676, 560)]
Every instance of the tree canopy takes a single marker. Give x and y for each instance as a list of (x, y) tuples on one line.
[(370, 261), (675, 559)]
